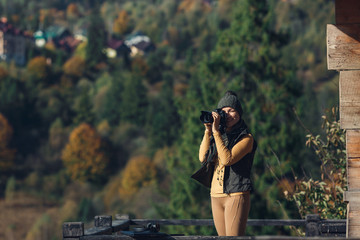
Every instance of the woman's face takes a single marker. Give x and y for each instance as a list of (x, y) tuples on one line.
[(232, 116)]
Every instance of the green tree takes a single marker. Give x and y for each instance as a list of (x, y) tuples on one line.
[(163, 118), (83, 108), (96, 40), (134, 101), (108, 97), (188, 199)]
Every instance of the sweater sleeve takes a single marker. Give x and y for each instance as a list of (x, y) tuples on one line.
[(229, 157), (204, 146)]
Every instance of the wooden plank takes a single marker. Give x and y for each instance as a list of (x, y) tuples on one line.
[(210, 222), (218, 238), (347, 11), (353, 231), (353, 162), (118, 225), (353, 145), (352, 196), (349, 91), (354, 206), (353, 183), (353, 173), (98, 231), (343, 47)]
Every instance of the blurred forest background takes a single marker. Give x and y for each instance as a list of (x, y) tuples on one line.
[(83, 133)]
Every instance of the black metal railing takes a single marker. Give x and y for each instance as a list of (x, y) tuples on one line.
[(126, 228)]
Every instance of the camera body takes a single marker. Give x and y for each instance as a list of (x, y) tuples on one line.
[(206, 117)]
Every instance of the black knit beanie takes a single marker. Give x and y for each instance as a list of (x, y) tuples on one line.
[(230, 99)]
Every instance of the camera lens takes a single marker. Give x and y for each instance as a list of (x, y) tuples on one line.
[(206, 117)]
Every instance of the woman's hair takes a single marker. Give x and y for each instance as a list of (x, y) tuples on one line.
[(230, 99)]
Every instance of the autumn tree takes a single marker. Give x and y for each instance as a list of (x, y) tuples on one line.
[(38, 68), (75, 66), (84, 156), (139, 172), (72, 11), (121, 23), (7, 154)]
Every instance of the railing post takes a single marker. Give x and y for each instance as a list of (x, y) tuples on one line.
[(312, 225), (103, 221), (73, 230)]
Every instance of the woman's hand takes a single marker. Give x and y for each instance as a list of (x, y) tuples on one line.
[(208, 127), (216, 123)]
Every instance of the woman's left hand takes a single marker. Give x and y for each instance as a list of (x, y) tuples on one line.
[(216, 123)]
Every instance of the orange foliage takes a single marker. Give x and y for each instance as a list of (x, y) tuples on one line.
[(173, 35), (6, 155), (139, 65), (3, 73), (140, 171), (75, 66), (225, 5), (47, 14), (72, 11), (37, 67), (84, 156), (15, 18), (191, 5), (121, 23)]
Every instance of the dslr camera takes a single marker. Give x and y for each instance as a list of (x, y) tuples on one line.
[(206, 117)]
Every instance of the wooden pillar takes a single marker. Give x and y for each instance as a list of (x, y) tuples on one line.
[(343, 55), (73, 230)]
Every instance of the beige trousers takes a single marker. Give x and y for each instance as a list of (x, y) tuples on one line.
[(230, 214)]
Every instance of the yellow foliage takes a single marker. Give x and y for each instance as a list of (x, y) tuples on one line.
[(50, 45), (84, 156), (111, 192), (40, 229), (193, 5), (225, 5), (121, 23), (75, 66), (37, 67), (81, 50), (139, 172), (104, 128), (72, 11)]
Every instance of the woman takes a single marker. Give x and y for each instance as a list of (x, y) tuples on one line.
[(232, 153)]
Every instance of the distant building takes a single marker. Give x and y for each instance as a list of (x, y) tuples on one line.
[(139, 44), (60, 36), (13, 43), (117, 48)]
